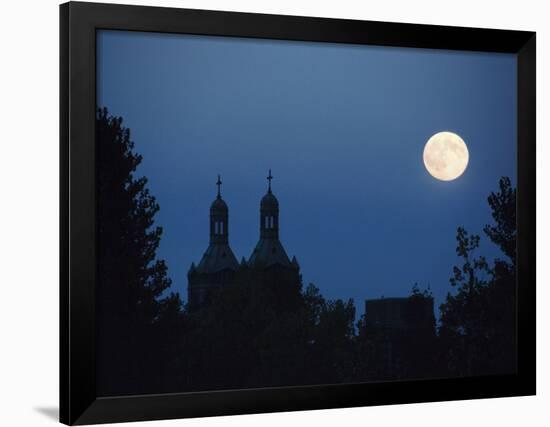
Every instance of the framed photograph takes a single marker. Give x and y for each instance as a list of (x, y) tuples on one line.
[(268, 213)]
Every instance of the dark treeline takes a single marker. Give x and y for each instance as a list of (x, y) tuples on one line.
[(263, 332)]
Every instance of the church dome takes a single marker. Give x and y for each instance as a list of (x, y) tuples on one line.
[(218, 205), (269, 201)]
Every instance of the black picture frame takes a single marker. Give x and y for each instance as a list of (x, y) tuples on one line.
[(79, 403)]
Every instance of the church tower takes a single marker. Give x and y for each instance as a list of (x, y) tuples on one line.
[(269, 251), (218, 264)]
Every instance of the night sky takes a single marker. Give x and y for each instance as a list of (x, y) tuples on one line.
[(342, 128)]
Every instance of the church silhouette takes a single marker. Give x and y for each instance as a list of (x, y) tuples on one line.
[(219, 267)]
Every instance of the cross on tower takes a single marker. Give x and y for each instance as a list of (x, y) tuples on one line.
[(269, 178), (219, 184)]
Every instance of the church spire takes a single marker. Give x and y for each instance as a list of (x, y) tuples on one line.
[(219, 217), (269, 212), (218, 264), (269, 250), (269, 178), (219, 184)]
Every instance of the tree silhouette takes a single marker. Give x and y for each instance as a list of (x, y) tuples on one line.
[(478, 323), (131, 280), (503, 292), (464, 315), (503, 234), (334, 340)]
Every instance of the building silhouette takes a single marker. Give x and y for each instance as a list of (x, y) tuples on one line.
[(218, 267), (399, 331), (400, 314)]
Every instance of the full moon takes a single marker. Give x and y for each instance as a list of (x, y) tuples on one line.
[(446, 156)]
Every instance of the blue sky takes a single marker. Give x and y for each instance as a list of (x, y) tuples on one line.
[(342, 127)]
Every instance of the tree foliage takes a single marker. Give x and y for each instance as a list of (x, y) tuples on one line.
[(478, 321), (131, 280), (503, 210)]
